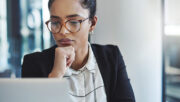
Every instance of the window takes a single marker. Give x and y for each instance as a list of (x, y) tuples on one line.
[(23, 31), (3, 38), (172, 50)]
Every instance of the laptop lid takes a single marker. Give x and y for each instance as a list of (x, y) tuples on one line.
[(33, 90)]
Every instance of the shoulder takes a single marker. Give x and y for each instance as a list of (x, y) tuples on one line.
[(38, 64), (42, 58), (108, 55), (107, 50), (43, 54), (104, 47)]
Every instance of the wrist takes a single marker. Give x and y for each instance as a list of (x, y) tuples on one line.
[(55, 75)]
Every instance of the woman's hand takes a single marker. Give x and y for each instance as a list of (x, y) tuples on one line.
[(64, 57)]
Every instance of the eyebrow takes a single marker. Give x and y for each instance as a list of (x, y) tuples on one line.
[(68, 16), (73, 15), (54, 17)]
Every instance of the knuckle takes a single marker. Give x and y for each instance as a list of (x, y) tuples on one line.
[(59, 50)]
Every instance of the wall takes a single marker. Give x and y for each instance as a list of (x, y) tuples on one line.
[(135, 26)]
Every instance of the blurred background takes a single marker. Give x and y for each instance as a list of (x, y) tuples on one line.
[(146, 31)]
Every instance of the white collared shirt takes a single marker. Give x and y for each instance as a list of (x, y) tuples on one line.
[(86, 84)]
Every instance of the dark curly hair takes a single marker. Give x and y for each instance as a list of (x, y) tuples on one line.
[(87, 4)]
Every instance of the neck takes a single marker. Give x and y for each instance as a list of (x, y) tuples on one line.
[(81, 58)]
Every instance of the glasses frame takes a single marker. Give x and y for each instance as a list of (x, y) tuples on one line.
[(64, 24)]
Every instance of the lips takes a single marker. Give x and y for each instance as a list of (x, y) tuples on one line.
[(66, 41)]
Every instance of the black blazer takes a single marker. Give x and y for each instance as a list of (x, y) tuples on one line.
[(110, 62)]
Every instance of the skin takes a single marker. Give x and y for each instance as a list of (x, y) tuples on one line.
[(75, 54)]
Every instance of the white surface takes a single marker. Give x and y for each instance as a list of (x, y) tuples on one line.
[(3, 37), (172, 17), (135, 25), (172, 30), (172, 12), (33, 90)]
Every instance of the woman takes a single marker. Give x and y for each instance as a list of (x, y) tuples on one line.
[(96, 73)]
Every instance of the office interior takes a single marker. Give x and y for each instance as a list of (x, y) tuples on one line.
[(147, 32)]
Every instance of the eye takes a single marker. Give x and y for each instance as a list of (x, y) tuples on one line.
[(55, 22), (73, 22)]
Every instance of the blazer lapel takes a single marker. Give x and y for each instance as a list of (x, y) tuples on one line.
[(103, 66)]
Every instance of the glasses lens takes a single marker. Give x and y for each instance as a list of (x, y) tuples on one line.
[(54, 26), (73, 25)]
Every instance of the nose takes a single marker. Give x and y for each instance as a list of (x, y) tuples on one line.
[(63, 30)]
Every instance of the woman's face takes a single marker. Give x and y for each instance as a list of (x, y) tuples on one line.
[(65, 10)]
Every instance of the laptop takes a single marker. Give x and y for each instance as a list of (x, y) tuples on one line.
[(34, 90)]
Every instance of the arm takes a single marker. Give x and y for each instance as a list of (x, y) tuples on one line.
[(39, 65), (30, 67)]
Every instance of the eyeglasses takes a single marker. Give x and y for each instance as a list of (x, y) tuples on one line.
[(55, 25)]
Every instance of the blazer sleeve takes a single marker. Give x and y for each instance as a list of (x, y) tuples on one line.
[(123, 90), (30, 67)]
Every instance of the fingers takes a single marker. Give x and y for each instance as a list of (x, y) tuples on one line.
[(64, 57), (66, 52), (71, 57)]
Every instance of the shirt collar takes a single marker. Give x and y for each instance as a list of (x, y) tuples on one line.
[(91, 62)]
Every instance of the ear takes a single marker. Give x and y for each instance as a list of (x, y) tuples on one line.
[(93, 23)]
